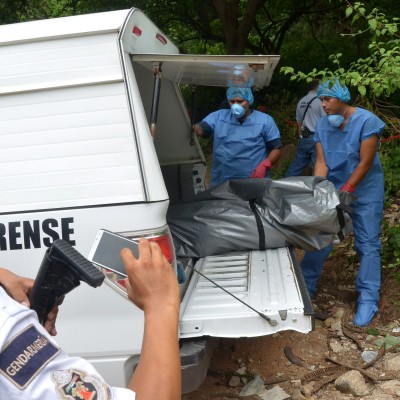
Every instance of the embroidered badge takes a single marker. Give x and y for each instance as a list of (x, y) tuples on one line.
[(25, 355), (77, 385)]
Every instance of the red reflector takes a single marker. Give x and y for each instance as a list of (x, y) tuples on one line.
[(161, 38), (121, 282), (166, 246), (136, 31)]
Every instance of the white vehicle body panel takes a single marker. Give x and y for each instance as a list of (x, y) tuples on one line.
[(95, 323), (68, 148), (76, 155)]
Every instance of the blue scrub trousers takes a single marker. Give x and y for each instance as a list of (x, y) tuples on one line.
[(367, 220), (304, 155)]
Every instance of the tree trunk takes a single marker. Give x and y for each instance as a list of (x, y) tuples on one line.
[(235, 25)]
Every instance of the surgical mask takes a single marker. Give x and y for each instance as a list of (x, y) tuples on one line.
[(336, 119), (237, 110)]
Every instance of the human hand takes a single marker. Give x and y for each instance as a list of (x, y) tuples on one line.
[(18, 288), (50, 323), (261, 169), (152, 283), (348, 187), (197, 129)]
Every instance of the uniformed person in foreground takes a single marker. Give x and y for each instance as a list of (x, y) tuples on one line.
[(33, 366)]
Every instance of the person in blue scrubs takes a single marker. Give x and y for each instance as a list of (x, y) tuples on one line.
[(347, 141), (246, 142)]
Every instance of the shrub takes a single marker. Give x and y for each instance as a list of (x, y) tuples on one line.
[(390, 158)]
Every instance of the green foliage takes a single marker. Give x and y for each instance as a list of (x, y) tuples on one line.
[(278, 171), (391, 249), (390, 158), (391, 243), (377, 74), (206, 147), (20, 11), (373, 77), (282, 108), (372, 331)]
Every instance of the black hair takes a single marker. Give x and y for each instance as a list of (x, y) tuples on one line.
[(313, 85)]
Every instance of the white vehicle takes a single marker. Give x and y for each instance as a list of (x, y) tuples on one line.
[(94, 133)]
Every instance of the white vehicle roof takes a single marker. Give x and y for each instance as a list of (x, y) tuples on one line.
[(208, 70), (65, 26)]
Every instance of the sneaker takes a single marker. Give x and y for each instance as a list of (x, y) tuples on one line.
[(365, 313)]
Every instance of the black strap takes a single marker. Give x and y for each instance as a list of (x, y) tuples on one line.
[(340, 209), (260, 227), (308, 105)]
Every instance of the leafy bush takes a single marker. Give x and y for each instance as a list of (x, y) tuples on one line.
[(282, 108), (391, 249), (390, 158)]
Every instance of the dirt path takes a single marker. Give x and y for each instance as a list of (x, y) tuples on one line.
[(237, 361)]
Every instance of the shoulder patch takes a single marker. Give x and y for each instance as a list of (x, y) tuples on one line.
[(25, 355), (75, 384)]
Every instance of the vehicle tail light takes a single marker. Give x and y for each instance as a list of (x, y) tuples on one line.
[(165, 243), (160, 236)]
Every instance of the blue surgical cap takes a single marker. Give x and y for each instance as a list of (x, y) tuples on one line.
[(336, 90), (243, 93)]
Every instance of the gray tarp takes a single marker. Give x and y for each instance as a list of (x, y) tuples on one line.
[(254, 214)]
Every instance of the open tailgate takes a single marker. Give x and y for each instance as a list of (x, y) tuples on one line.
[(269, 281), (212, 70)]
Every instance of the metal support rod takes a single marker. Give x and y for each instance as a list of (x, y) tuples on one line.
[(271, 321), (193, 114), (156, 97)]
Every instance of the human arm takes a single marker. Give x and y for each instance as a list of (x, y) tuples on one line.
[(18, 288), (203, 128), (152, 285), (299, 124), (272, 139), (198, 130), (320, 167), (367, 155), (274, 155), (266, 164)]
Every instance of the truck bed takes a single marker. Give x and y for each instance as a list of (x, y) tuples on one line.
[(269, 281)]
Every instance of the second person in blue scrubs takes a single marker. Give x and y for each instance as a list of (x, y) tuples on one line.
[(347, 142)]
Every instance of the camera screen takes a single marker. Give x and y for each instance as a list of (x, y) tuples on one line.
[(107, 252)]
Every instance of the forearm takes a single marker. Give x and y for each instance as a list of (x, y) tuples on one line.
[(2, 277), (320, 168), (16, 286), (5, 275), (299, 127), (358, 174), (274, 155), (367, 154), (159, 359)]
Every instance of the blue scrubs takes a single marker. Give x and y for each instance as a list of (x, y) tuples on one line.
[(238, 148), (342, 155)]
